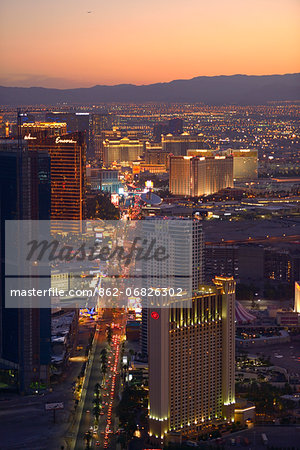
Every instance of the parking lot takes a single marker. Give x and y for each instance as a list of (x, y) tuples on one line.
[(284, 437), (285, 355)]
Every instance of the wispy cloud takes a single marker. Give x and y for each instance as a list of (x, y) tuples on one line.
[(32, 80)]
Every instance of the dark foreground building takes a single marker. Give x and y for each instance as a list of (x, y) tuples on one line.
[(25, 334)]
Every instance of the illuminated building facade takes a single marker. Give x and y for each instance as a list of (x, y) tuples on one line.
[(140, 166), (68, 177), (195, 176), (103, 179), (179, 145), (2, 127), (245, 161), (75, 121), (297, 297), (202, 152), (192, 362), (100, 124), (99, 139), (155, 155), (245, 164), (41, 130), (180, 179), (244, 411), (122, 151), (68, 168)]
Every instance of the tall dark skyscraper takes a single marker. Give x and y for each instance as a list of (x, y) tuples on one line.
[(24, 333), (79, 121), (65, 117), (173, 126), (100, 123)]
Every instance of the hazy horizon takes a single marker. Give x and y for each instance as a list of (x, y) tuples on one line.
[(90, 85)]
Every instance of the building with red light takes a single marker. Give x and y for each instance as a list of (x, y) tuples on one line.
[(183, 240), (192, 363)]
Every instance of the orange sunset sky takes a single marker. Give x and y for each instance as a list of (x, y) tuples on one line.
[(73, 43)]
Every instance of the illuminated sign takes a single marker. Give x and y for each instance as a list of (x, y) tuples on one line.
[(155, 315), (149, 184), (49, 406), (58, 140), (28, 137), (114, 198), (135, 303)]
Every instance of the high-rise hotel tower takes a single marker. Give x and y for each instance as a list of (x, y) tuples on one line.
[(191, 362), (204, 175), (68, 159), (182, 270), (297, 297)]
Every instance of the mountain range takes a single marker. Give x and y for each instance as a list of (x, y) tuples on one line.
[(216, 90)]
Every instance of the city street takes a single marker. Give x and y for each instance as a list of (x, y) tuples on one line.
[(35, 425), (36, 428), (101, 432)]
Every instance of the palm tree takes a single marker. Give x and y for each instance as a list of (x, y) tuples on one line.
[(131, 353), (88, 439), (103, 356), (97, 389), (103, 371), (96, 412), (97, 401), (124, 370), (109, 335)]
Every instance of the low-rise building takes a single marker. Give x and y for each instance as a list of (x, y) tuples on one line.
[(244, 411)]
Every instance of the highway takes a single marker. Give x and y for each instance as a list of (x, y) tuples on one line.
[(258, 240)]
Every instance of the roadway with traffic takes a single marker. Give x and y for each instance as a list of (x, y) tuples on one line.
[(102, 432)]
